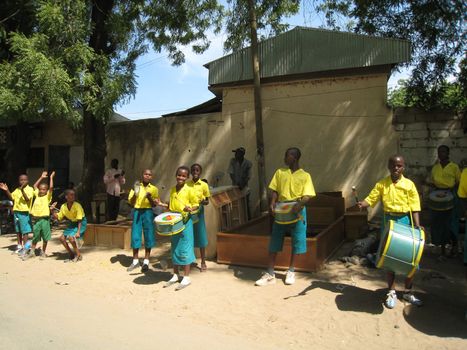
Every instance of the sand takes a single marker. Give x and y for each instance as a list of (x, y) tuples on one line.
[(96, 304)]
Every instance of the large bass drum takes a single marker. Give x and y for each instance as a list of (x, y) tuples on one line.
[(400, 249)]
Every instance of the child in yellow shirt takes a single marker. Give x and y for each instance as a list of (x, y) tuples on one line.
[(291, 183), (183, 200), (143, 198), (400, 198), (22, 200), (73, 212), (40, 214), (445, 175), (201, 189)]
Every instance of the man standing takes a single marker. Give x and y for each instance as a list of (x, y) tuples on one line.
[(114, 178), (240, 172)]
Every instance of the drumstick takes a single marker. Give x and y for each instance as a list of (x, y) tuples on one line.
[(354, 192)]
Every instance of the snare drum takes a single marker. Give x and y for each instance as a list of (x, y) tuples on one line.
[(441, 200), (283, 213), (169, 224)]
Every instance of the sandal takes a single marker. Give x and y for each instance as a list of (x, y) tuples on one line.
[(78, 258)]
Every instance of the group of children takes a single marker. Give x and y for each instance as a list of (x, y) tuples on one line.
[(398, 194), (399, 197), (186, 197), (32, 213)]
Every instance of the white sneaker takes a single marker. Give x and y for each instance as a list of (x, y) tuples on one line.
[(266, 279), (391, 299), (412, 299), (186, 281), (290, 277)]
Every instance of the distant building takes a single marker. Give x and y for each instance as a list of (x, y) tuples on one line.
[(322, 91)]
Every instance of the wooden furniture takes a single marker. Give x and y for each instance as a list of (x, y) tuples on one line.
[(227, 208), (111, 236), (356, 224), (99, 200), (247, 244)]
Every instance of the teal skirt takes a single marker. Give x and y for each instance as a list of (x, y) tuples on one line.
[(183, 246)]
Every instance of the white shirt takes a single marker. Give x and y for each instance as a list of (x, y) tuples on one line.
[(113, 184)]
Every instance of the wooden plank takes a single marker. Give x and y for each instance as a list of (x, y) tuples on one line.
[(248, 249)]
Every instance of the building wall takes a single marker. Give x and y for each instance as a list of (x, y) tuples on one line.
[(342, 126), (59, 133), (163, 144), (421, 133)]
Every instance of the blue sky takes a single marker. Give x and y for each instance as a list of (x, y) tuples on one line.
[(163, 88)]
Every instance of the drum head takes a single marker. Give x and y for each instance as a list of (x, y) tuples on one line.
[(168, 218), (284, 207), (441, 196)]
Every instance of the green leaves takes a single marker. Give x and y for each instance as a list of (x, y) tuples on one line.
[(436, 29), (269, 13)]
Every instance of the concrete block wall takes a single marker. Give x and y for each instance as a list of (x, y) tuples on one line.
[(421, 132)]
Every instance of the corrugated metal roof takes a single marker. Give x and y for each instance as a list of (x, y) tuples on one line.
[(307, 50)]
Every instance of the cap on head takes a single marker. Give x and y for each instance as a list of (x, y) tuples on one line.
[(239, 150)]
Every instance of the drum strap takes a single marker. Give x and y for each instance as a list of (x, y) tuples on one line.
[(413, 229)]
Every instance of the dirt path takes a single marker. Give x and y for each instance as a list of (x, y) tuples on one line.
[(96, 304)]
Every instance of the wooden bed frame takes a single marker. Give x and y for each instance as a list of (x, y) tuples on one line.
[(247, 244)]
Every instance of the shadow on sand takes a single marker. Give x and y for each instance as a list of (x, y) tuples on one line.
[(152, 277), (440, 316), (350, 298)]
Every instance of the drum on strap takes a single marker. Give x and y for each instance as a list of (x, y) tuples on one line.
[(441, 200), (283, 213), (195, 216), (169, 224), (400, 248)]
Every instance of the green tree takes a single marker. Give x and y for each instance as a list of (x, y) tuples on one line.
[(436, 29), (451, 97), (81, 57)]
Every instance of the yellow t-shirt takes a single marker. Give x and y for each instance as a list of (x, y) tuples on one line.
[(201, 189), (462, 191), (76, 213), (40, 207), (399, 197), (179, 200), (446, 177), (142, 202), (292, 186), (19, 203)]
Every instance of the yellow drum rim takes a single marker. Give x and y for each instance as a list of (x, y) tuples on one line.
[(438, 209), (380, 262), (419, 255), (287, 222)]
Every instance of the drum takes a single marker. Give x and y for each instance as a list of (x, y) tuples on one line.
[(194, 216), (283, 213), (400, 249), (441, 200), (169, 224)]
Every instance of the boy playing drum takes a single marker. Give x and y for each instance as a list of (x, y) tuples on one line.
[(400, 199), (288, 184)]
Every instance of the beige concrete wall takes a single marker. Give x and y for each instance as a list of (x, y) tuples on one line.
[(342, 126), (163, 144)]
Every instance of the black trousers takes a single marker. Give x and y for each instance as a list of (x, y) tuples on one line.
[(113, 206)]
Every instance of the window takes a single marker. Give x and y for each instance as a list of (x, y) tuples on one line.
[(36, 157)]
